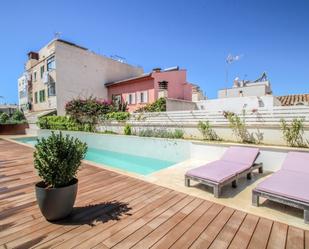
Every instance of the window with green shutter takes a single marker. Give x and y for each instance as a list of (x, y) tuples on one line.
[(42, 96), (42, 71), (36, 97)]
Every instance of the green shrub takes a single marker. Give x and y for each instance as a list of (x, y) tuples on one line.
[(293, 133), (4, 117), (127, 129), (57, 159), (119, 116), (178, 133), (207, 132), (158, 106), (18, 116), (62, 123), (162, 133)]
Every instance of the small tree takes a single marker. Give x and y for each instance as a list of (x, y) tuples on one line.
[(18, 116), (207, 131), (238, 126), (57, 159), (4, 117), (293, 133)]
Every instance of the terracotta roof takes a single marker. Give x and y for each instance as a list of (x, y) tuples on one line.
[(293, 99), (143, 76)]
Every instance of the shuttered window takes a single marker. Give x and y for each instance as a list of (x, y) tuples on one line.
[(142, 97), (130, 98)]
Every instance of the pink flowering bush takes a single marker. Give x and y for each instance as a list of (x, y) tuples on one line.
[(87, 110)]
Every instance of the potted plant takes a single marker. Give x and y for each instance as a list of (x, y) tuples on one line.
[(57, 159)]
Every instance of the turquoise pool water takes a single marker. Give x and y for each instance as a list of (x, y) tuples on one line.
[(127, 162)]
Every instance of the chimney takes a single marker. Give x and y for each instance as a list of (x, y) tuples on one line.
[(156, 69), (33, 55)]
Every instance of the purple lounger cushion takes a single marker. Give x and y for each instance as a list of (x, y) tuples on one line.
[(292, 180), (234, 161), (297, 161), (217, 171), (286, 183), (243, 155)]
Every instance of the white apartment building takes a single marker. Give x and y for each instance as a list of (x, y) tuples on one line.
[(245, 88), (244, 95), (23, 100), (62, 70)]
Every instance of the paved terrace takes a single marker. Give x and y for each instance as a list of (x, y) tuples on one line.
[(117, 211)]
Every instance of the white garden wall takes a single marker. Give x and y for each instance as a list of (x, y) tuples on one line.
[(259, 122)]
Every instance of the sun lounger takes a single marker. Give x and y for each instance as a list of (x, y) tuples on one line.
[(289, 185), (235, 163)]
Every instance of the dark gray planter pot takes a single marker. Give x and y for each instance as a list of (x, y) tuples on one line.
[(56, 203)]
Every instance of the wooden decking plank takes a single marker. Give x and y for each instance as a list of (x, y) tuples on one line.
[(194, 232), (128, 230), (210, 233), (139, 234), (38, 212), (307, 239), (229, 230), (277, 239), (244, 233), (295, 238), (261, 234), (107, 229), (125, 196), (84, 229), (37, 222), (174, 234), (167, 226)]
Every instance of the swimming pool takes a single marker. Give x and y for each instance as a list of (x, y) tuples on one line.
[(140, 164)]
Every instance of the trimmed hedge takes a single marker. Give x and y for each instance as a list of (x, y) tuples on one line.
[(62, 123)]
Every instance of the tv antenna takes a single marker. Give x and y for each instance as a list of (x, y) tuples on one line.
[(229, 60), (57, 35)]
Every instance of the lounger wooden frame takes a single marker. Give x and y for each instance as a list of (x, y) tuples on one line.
[(234, 179), (256, 194)]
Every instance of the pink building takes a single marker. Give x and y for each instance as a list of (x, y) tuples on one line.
[(147, 88)]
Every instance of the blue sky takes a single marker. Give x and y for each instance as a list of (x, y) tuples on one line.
[(273, 36)]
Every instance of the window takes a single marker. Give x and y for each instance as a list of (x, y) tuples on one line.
[(51, 64), (42, 95), (22, 94), (52, 89), (130, 98), (42, 71), (142, 97), (35, 97), (163, 85), (34, 76)]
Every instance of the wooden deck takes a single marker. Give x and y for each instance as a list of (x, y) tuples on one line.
[(116, 211)]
